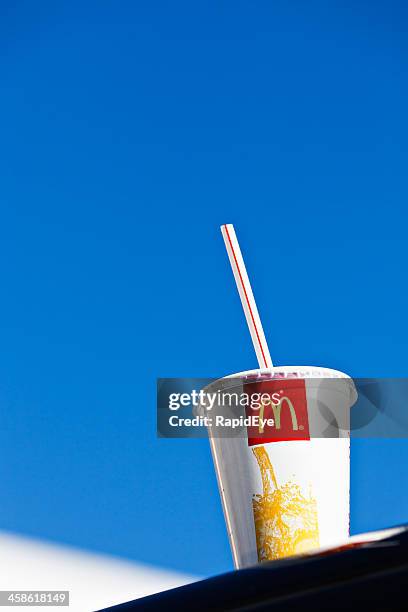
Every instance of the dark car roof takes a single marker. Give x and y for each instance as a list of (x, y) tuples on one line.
[(372, 574)]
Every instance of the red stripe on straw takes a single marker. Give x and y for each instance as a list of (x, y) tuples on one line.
[(246, 296)]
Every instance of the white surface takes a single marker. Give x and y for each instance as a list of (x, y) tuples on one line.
[(94, 581)]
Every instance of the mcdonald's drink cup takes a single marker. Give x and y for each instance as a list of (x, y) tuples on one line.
[(284, 485)]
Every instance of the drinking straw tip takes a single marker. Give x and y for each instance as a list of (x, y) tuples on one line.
[(246, 295)]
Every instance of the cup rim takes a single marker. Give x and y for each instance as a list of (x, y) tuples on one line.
[(322, 372), (313, 372)]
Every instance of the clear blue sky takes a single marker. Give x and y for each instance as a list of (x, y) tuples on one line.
[(129, 132)]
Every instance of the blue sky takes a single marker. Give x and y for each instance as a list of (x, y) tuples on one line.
[(129, 133)]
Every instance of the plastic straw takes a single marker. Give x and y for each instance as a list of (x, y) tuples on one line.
[(247, 297)]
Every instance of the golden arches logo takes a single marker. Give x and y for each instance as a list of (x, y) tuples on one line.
[(277, 411)]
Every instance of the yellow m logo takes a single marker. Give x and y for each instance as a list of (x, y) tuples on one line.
[(277, 410)]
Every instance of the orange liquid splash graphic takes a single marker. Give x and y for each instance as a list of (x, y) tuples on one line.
[(285, 520)]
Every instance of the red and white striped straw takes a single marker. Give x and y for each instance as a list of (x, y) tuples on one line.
[(247, 297)]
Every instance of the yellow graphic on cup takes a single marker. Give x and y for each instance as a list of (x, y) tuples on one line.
[(285, 520), (277, 410)]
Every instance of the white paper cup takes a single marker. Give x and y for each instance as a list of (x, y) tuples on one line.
[(285, 497)]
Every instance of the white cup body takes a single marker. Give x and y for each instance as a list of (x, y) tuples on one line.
[(282, 498)]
